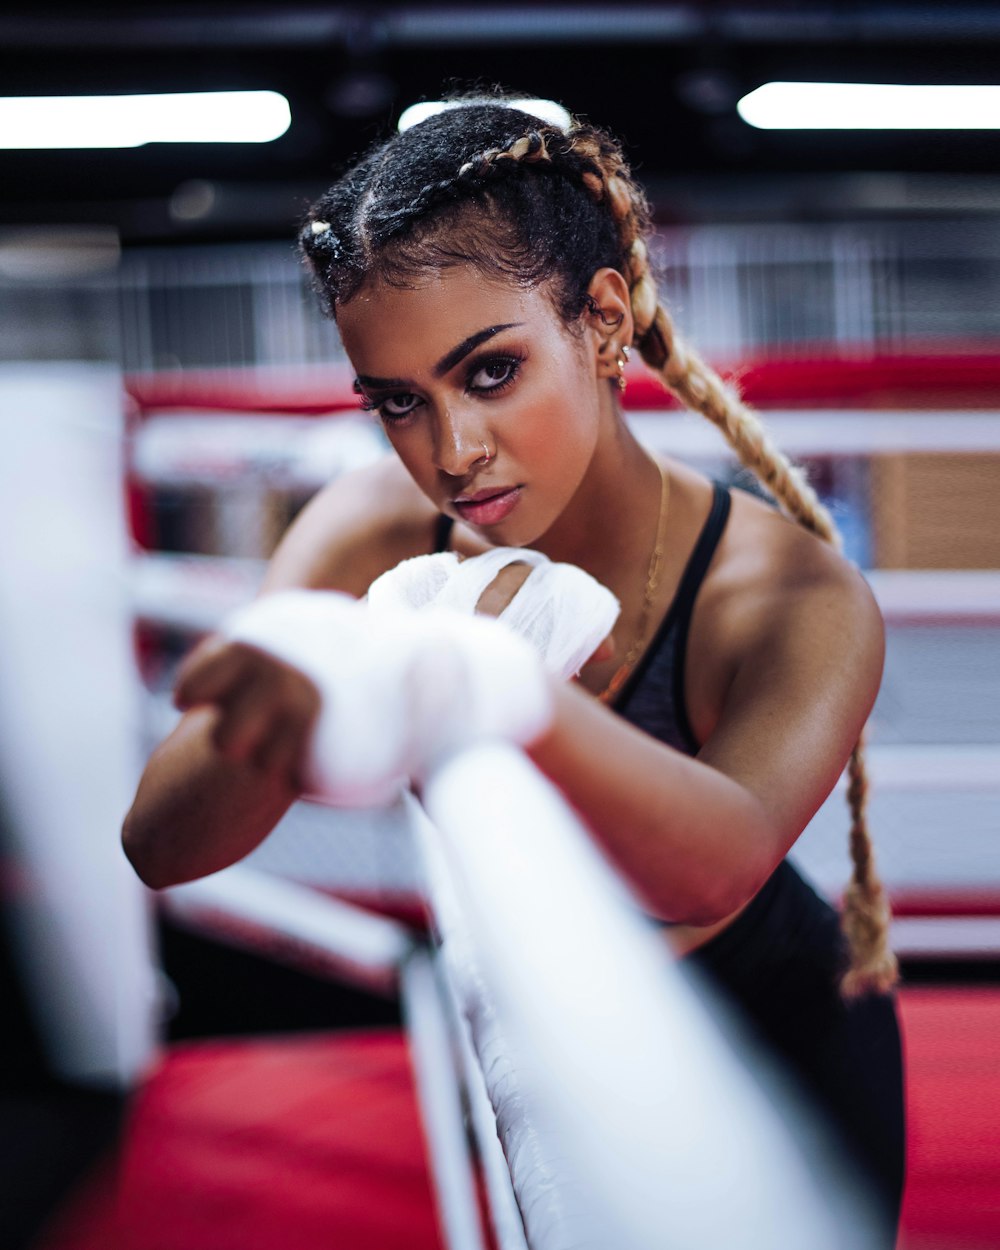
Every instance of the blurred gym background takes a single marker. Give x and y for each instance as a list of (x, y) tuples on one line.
[(170, 397)]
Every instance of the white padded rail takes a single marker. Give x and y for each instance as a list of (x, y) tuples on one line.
[(294, 923), (626, 1117), (196, 592), (831, 432), (202, 448)]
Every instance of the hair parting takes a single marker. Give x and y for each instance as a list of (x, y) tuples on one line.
[(490, 185)]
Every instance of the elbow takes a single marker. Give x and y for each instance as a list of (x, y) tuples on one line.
[(140, 852), (722, 884), (723, 903), (709, 903)]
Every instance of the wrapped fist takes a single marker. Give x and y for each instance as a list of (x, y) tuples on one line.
[(397, 692)]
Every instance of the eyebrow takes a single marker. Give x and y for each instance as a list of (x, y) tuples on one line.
[(447, 362)]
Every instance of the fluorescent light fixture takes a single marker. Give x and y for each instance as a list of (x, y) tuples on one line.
[(129, 121), (547, 110), (870, 106)]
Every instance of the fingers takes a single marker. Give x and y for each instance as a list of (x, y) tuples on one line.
[(264, 708), (604, 652), (282, 748), (212, 669), (502, 589), (247, 716), (282, 752)]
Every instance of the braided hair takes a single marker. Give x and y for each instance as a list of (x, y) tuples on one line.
[(487, 184)]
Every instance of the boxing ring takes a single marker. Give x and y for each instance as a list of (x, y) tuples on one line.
[(608, 1103)]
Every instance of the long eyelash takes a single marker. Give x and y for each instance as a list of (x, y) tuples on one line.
[(364, 402), (514, 360), (367, 404), (393, 418)]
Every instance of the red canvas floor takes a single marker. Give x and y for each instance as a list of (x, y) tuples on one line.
[(278, 1144), (952, 1039)]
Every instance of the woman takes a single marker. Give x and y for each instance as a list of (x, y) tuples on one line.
[(489, 276)]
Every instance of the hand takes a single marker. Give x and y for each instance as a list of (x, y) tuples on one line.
[(564, 613), (265, 709), (605, 651), (398, 691), (500, 594)]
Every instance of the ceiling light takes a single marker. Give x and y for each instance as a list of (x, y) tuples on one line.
[(129, 121), (870, 106), (546, 110)]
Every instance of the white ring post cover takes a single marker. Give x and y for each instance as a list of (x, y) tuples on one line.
[(68, 720), (627, 1118)]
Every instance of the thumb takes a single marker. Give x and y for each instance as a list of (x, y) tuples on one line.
[(605, 651)]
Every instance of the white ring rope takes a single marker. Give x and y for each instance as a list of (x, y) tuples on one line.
[(626, 1118)]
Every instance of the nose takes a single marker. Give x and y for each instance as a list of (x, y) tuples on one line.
[(459, 442)]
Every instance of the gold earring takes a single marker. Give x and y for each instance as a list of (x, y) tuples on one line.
[(620, 362)]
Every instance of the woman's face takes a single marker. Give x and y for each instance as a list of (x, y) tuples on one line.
[(462, 366)]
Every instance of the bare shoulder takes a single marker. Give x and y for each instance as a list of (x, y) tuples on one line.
[(353, 530), (774, 577), (786, 662), (779, 599)]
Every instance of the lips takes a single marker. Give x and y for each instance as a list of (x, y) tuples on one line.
[(489, 506)]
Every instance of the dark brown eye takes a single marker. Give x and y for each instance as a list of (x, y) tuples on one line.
[(398, 405), (494, 374)]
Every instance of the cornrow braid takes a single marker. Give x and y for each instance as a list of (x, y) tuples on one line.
[(866, 914), (489, 185), (404, 210), (530, 148)]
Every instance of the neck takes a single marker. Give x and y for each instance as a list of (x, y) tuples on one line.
[(609, 526)]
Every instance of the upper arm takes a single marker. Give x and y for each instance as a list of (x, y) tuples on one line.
[(351, 531), (803, 683)]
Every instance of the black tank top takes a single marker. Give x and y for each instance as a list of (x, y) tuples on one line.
[(653, 697)]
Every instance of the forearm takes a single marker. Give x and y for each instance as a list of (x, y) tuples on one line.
[(693, 843), (196, 812)]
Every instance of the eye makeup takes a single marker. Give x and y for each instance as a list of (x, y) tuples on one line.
[(495, 371)]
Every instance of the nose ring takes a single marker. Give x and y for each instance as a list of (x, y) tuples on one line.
[(487, 455)]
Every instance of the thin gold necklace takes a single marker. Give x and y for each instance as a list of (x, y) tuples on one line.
[(648, 598)]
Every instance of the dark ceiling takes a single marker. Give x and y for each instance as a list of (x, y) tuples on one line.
[(665, 77)]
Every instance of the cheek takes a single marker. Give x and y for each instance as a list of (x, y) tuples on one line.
[(414, 450), (563, 419)]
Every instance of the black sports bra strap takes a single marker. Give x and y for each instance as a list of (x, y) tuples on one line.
[(701, 557), (442, 532), (694, 575)]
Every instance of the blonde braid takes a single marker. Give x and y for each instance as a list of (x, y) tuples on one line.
[(531, 148), (866, 915)]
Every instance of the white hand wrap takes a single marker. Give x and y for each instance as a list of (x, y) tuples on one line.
[(400, 691), (561, 610)]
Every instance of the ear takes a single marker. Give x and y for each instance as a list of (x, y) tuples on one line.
[(609, 320)]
